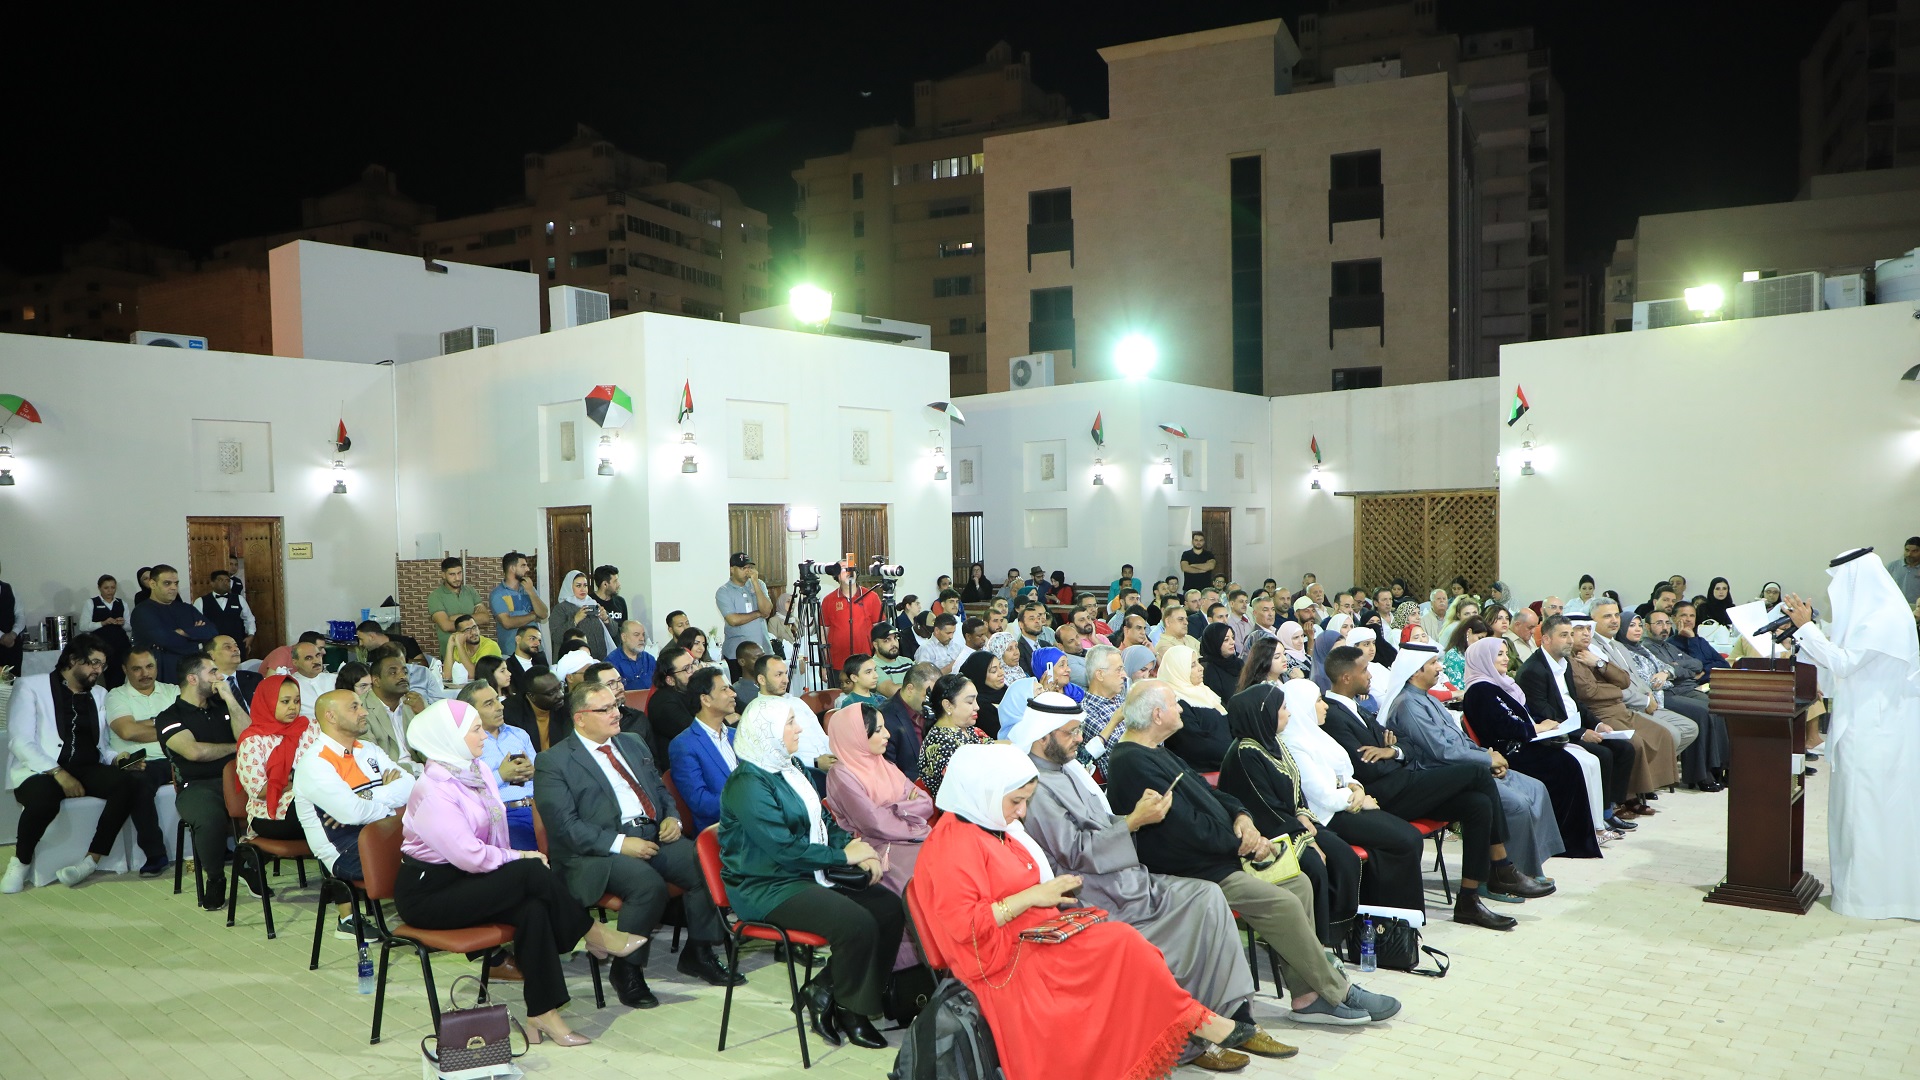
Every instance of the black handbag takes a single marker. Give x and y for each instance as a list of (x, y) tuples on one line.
[(1396, 945), (476, 1038), (848, 877)]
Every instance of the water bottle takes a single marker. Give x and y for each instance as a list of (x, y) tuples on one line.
[(366, 965), (1367, 962)]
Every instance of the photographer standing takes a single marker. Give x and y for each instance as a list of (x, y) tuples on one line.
[(745, 605), (848, 616)]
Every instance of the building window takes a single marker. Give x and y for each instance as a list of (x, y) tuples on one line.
[(1357, 300), (1354, 192), (953, 286), (941, 208), (1356, 378), (1051, 325), (27, 314), (580, 259), (952, 249), (859, 263), (957, 326), (859, 224), (1245, 233), (859, 185), (1049, 223)]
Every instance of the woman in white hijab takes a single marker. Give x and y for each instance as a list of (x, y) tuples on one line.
[(459, 869), (1293, 641), (1101, 1003), (776, 844), (576, 608), (1341, 804)]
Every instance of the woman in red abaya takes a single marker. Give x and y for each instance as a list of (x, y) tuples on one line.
[(1100, 1004)]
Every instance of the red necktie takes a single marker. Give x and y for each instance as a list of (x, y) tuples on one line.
[(646, 804)]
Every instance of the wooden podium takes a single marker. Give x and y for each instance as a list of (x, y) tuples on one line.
[(1765, 710)]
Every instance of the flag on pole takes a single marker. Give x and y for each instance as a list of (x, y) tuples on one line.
[(1519, 407), (1099, 433), (686, 401), (1313, 444), (341, 443)]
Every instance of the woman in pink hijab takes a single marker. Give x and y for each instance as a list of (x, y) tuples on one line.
[(872, 799)]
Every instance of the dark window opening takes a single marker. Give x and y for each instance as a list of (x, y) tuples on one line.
[(1356, 301), (1051, 325), (1049, 223), (1356, 378), (1245, 233), (1354, 192)]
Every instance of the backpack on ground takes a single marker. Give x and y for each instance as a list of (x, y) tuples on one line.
[(949, 1040)]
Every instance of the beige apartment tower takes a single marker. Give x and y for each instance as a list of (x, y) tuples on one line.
[(1268, 241), (895, 227)]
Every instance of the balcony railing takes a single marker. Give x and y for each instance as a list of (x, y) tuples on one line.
[(1356, 204), (1356, 313)]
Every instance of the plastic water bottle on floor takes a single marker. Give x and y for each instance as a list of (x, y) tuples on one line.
[(1367, 961), (366, 966)]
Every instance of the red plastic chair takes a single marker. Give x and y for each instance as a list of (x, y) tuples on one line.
[(929, 952), (739, 930), (1437, 832), (380, 860), (1213, 778), (637, 699), (819, 701), (679, 804), (256, 850)]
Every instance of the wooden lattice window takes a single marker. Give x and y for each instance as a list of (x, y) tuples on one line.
[(1427, 538), (760, 530)]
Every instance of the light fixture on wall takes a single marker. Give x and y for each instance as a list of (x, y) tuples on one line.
[(339, 476), (939, 456), (606, 455), (1526, 453), (1166, 465), (803, 520), (688, 446), (1315, 486), (6, 465), (1099, 472)]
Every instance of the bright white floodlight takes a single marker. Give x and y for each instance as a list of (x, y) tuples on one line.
[(1135, 356)]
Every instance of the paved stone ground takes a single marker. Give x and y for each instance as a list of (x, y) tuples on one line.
[(1623, 973)]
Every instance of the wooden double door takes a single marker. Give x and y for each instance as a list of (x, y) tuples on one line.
[(250, 547)]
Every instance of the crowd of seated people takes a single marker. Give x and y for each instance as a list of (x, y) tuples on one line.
[(1134, 749)]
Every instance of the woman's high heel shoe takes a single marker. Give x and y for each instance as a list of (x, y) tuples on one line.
[(818, 998), (535, 1031), (633, 945)]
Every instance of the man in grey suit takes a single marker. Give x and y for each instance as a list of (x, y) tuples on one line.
[(611, 828)]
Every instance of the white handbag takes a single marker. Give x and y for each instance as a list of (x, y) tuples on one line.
[(1716, 635)]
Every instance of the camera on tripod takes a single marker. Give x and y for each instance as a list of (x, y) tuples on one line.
[(884, 570)]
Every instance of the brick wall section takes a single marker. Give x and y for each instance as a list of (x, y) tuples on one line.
[(418, 578)]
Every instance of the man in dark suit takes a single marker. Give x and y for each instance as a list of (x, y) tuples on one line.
[(1460, 793), (632, 721), (1543, 679), (611, 828), (225, 650)]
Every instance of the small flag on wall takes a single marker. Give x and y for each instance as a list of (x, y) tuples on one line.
[(686, 401), (1313, 444), (1520, 406), (1176, 430), (1099, 433), (340, 441)]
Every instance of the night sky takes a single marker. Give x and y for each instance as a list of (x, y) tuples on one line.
[(198, 132)]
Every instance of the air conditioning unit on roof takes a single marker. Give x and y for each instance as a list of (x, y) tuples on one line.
[(1034, 369), (465, 338), (168, 341)]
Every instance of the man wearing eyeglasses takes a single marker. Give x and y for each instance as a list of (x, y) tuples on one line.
[(611, 828), (632, 721)]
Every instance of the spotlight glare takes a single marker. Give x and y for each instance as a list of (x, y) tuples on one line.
[(810, 304), (1135, 356)]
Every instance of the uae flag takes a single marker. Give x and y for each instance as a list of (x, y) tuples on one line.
[(1099, 433), (686, 401), (1519, 407), (1313, 444)]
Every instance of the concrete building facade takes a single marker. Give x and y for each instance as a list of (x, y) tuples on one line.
[(895, 227), (1860, 90), (1270, 242), (1514, 108), (600, 218), (95, 295)]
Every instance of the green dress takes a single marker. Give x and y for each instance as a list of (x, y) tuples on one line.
[(767, 854)]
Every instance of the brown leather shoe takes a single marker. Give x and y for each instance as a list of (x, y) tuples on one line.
[(1267, 1046), (505, 971), (1468, 908), (1218, 1060)]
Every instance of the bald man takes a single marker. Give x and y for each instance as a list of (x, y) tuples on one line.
[(341, 784)]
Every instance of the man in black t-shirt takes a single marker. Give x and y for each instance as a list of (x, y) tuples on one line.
[(200, 733), (1198, 564)]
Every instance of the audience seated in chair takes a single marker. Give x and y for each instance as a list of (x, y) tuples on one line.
[(874, 800), (341, 784), (702, 757), (201, 733), (131, 709)]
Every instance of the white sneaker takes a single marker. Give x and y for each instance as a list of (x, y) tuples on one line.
[(78, 872), (15, 878)]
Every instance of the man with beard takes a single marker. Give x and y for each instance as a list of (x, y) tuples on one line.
[(171, 627), (58, 736)]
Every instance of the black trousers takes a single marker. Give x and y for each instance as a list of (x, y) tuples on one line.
[(641, 885), (863, 930), (200, 804), (1336, 888), (40, 797), (146, 817), (1616, 766), (1459, 793), (283, 829), (1391, 876), (546, 919), (1709, 753)]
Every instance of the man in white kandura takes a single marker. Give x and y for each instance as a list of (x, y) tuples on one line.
[(1871, 669)]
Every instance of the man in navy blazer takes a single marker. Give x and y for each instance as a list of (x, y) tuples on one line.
[(611, 828), (702, 756)]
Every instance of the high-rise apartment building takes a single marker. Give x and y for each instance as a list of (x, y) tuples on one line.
[(600, 218), (1269, 241), (95, 293), (1513, 108), (895, 226), (1860, 90)]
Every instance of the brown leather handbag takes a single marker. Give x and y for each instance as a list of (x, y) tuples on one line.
[(473, 1042)]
